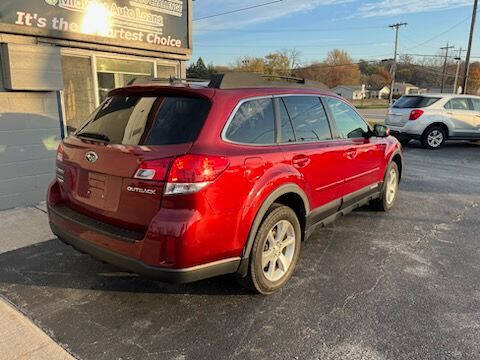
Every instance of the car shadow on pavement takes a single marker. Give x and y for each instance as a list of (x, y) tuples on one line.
[(54, 264)]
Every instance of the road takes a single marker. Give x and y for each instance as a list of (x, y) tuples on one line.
[(376, 116), (402, 285)]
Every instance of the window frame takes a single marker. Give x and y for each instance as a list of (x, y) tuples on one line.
[(336, 136)]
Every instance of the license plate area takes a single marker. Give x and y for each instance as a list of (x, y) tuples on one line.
[(99, 190)]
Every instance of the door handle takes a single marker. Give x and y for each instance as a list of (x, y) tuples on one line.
[(300, 161), (351, 154)]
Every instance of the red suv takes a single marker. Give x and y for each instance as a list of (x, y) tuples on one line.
[(184, 182)]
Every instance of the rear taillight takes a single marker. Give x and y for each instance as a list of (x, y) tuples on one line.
[(60, 152), (153, 170), (415, 114), (191, 173), (186, 175)]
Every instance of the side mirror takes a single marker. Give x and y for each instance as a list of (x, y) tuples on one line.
[(381, 131)]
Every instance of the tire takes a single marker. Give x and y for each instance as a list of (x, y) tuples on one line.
[(434, 137), (389, 193), (266, 273)]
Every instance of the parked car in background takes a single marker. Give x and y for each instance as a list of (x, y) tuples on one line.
[(184, 183), (435, 118)]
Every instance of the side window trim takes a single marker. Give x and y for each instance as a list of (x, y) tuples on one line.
[(232, 116)]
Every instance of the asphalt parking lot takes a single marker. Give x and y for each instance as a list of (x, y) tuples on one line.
[(402, 285)]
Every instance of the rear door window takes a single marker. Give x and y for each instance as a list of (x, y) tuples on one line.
[(253, 123), (138, 120), (349, 123), (410, 102), (309, 119), (476, 104), (458, 104)]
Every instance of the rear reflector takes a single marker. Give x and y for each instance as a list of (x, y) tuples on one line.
[(415, 114), (153, 170)]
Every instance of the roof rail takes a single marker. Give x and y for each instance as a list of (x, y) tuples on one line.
[(242, 80), (170, 81)]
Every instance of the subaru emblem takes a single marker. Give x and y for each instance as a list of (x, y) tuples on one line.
[(91, 156)]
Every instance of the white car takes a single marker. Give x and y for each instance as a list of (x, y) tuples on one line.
[(435, 118)]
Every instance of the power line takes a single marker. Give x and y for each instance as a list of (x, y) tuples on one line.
[(238, 10), (439, 35)]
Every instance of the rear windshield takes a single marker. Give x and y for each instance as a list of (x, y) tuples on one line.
[(410, 102), (138, 120)]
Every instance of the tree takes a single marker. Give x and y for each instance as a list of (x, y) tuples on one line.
[(339, 69), (198, 70), (473, 86), (277, 64), (250, 64), (367, 68), (380, 78)]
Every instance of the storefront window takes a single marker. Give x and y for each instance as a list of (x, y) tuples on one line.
[(114, 73), (165, 71), (79, 99)]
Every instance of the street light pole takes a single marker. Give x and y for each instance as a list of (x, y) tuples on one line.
[(469, 51), (394, 66)]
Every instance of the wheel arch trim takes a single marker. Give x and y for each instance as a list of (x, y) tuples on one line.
[(267, 203)]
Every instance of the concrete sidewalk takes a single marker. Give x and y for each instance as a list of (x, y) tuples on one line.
[(19, 337)]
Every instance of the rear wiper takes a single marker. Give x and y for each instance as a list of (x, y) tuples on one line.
[(96, 136)]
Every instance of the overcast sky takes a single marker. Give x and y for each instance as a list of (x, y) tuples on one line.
[(316, 26)]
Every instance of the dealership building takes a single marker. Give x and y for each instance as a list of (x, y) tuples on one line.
[(59, 59)]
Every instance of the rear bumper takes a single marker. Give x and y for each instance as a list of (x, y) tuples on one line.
[(187, 275)]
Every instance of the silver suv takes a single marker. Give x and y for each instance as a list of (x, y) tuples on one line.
[(435, 118)]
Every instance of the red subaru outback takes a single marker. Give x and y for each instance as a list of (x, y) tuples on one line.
[(184, 183)]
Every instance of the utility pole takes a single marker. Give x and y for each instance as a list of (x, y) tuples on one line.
[(396, 26), (469, 51), (446, 48), (459, 62)]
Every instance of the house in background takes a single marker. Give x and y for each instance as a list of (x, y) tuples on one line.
[(351, 92), (400, 89), (378, 93)]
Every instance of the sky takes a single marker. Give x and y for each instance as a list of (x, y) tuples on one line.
[(314, 27)]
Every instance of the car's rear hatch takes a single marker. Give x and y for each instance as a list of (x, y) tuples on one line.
[(98, 164), (399, 113)]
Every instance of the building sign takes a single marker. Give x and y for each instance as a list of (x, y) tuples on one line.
[(153, 22)]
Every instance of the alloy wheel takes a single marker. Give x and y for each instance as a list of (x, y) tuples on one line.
[(392, 186), (435, 138), (278, 251)]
